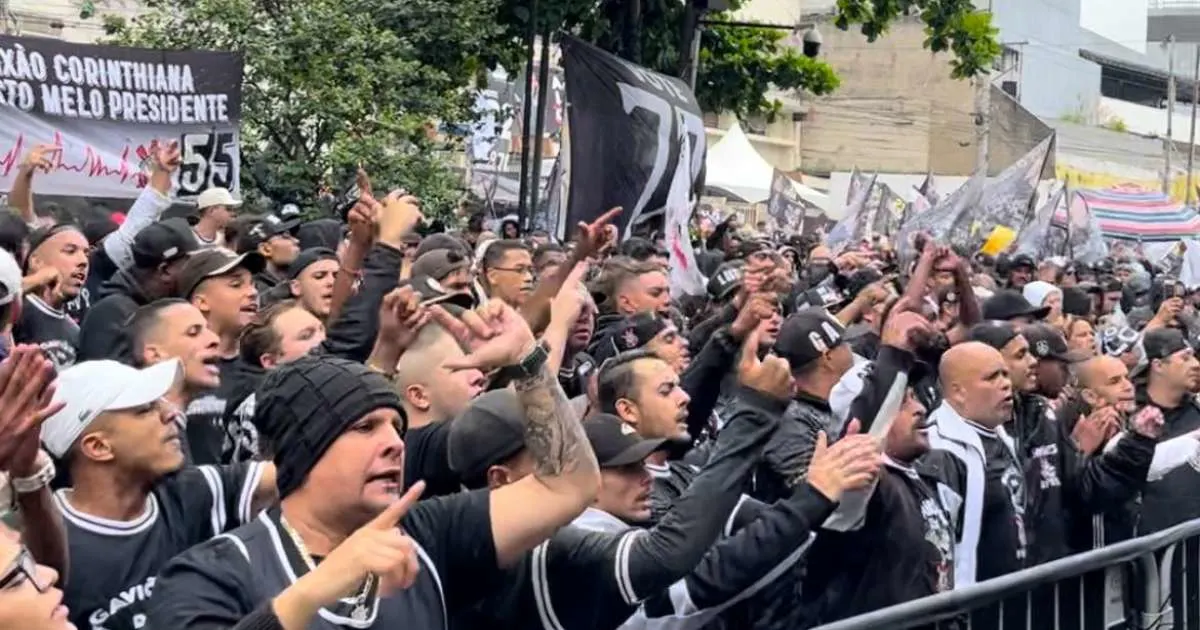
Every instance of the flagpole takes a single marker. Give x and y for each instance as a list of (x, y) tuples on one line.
[(540, 127), (527, 113)]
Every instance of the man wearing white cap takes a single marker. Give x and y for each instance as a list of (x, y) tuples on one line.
[(132, 508), (215, 208)]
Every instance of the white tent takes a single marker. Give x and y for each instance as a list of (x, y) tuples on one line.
[(733, 165)]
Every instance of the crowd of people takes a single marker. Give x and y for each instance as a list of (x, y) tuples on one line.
[(233, 420)]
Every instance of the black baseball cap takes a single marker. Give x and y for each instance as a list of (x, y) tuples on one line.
[(994, 334), (1021, 260), (490, 430), (630, 333), (1161, 343), (806, 335), (308, 257), (1007, 304), (1046, 342), (163, 242), (213, 262), (617, 443), (726, 280), (269, 226)]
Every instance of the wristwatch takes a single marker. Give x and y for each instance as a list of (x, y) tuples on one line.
[(529, 366), (36, 481)]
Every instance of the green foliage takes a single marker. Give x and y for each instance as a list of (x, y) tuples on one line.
[(1116, 123), (331, 84), (950, 25)]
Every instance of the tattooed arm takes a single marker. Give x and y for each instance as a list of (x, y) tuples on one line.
[(565, 476)]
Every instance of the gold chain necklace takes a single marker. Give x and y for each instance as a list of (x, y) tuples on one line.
[(359, 612)]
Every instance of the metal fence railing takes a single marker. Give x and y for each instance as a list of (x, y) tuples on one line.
[(1148, 583)]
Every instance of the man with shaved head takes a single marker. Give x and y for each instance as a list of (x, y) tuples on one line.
[(976, 465)]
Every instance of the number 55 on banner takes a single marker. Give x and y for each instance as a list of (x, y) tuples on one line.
[(208, 160)]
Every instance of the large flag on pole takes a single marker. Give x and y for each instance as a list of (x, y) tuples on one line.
[(854, 222), (685, 276), (626, 126)]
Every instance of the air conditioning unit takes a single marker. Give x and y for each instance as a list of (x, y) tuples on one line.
[(1009, 87)]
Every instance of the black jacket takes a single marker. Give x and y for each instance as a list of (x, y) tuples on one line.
[(102, 333), (598, 572), (352, 336), (1175, 498)]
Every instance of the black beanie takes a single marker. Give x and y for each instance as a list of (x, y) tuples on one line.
[(304, 406)]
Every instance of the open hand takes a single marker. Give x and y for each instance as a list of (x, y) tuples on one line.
[(1094, 430), (26, 392), (851, 463)]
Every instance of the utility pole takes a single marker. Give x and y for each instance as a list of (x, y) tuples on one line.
[(1187, 194), (5, 26), (1169, 142), (983, 120)]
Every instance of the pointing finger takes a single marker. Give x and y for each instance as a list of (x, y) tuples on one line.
[(391, 516)]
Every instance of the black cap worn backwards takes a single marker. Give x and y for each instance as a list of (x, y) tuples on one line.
[(163, 242)]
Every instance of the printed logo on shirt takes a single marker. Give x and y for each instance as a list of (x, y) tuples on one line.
[(1015, 484), (937, 533), (101, 618), (1047, 471), (59, 352)]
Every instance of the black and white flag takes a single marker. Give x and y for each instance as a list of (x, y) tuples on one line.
[(625, 124)]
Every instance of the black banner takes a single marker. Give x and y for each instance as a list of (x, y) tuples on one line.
[(626, 124), (48, 77)]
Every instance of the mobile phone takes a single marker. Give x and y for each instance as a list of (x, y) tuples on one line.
[(347, 199)]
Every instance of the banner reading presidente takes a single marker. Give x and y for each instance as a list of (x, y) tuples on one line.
[(106, 106)]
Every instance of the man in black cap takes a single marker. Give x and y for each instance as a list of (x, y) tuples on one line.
[(813, 343), (1054, 359), (330, 554), (158, 253), (1020, 271), (1171, 378), (309, 281), (595, 573), (273, 238), (218, 283), (1011, 306)]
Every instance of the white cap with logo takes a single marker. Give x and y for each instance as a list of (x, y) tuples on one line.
[(216, 197), (91, 388)]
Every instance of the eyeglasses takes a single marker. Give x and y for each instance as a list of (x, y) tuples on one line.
[(24, 568), (524, 271)]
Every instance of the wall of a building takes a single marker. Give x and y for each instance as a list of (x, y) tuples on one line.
[(899, 111), (1054, 80), (60, 18)]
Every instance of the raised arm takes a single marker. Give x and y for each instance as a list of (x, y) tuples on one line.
[(39, 158), (566, 477)]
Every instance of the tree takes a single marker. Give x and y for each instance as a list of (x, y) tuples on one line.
[(331, 84), (741, 66)]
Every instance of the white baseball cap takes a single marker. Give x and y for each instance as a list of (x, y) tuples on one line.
[(91, 388), (216, 197), (10, 278)]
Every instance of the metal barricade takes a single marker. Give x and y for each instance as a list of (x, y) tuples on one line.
[(1148, 583)]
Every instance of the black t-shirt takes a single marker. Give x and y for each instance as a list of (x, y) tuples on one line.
[(114, 563), (49, 328), (219, 582), (1002, 544), (425, 458), (206, 430)]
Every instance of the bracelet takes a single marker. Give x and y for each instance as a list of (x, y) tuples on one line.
[(36, 481)]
